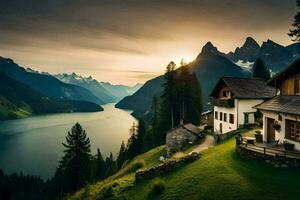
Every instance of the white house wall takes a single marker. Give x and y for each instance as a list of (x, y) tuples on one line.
[(226, 126), (246, 106), (241, 106), (279, 135)]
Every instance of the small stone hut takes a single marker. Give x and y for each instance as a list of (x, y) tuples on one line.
[(177, 139)]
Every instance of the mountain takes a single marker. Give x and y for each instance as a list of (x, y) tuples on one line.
[(274, 55), (46, 84), (141, 100), (19, 100), (209, 66), (248, 52), (107, 92), (88, 83), (120, 91)]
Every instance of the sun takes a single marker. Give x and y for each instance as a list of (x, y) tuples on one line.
[(188, 58)]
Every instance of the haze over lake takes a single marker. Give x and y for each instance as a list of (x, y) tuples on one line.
[(33, 145)]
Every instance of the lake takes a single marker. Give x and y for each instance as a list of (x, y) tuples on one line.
[(33, 145)]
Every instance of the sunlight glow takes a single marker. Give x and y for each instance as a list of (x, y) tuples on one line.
[(186, 59)]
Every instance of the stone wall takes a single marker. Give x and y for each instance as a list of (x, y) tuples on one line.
[(219, 137), (275, 161), (165, 167)]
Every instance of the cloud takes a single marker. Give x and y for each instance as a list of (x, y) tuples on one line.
[(112, 34)]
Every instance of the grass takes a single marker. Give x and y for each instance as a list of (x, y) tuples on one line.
[(220, 173), (157, 187), (8, 110)]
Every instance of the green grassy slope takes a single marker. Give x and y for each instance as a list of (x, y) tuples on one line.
[(9, 110), (220, 173)]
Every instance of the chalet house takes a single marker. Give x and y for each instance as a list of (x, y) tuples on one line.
[(284, 109), (233, 100)]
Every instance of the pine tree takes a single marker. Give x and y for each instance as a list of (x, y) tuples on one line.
[(260, 70), (74, 168), (121, 156), (169, 95), (132, 144), (111, 165), (100, 166), (295, 32), (194, 101), (141, 132), (155, 109), (149, 140), (168, 106), (189, 97), (180, 102)]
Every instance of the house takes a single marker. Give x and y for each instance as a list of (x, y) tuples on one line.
[(177, 139), (281, 114), (233, 100), (207, 118)]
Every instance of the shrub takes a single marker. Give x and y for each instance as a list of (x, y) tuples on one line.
[(258, 132), (277, 127), (86, 192), (125, 163), (157, 187), (106, 193), (208, 127), (288, 146)]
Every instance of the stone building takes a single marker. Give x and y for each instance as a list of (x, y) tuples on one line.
[(179, 138)]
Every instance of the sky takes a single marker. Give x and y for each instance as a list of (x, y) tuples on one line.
[(132, 41)]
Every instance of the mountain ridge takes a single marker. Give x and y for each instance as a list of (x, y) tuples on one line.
[(46, 84), (211, 64), (105, 91)]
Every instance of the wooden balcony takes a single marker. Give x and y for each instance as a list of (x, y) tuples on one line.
[(227, 103), (267, 149)]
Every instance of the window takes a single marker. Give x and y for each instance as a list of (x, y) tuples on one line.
[(246, 118), (225, 117), (297, 87), (292, 130), (224, 93), (216, 115), (231, 118), (221, 116)]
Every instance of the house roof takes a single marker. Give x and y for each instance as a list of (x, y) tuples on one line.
[(284, 74), (282, 104), (246, 88), (207, 112), (186, 128)]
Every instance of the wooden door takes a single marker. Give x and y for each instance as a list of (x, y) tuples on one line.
[(270, 130), (221, 128)]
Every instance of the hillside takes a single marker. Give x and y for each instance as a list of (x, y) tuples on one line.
[(141, 100), (209, 66), (46, 84), (220, 173), (18, 100)]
